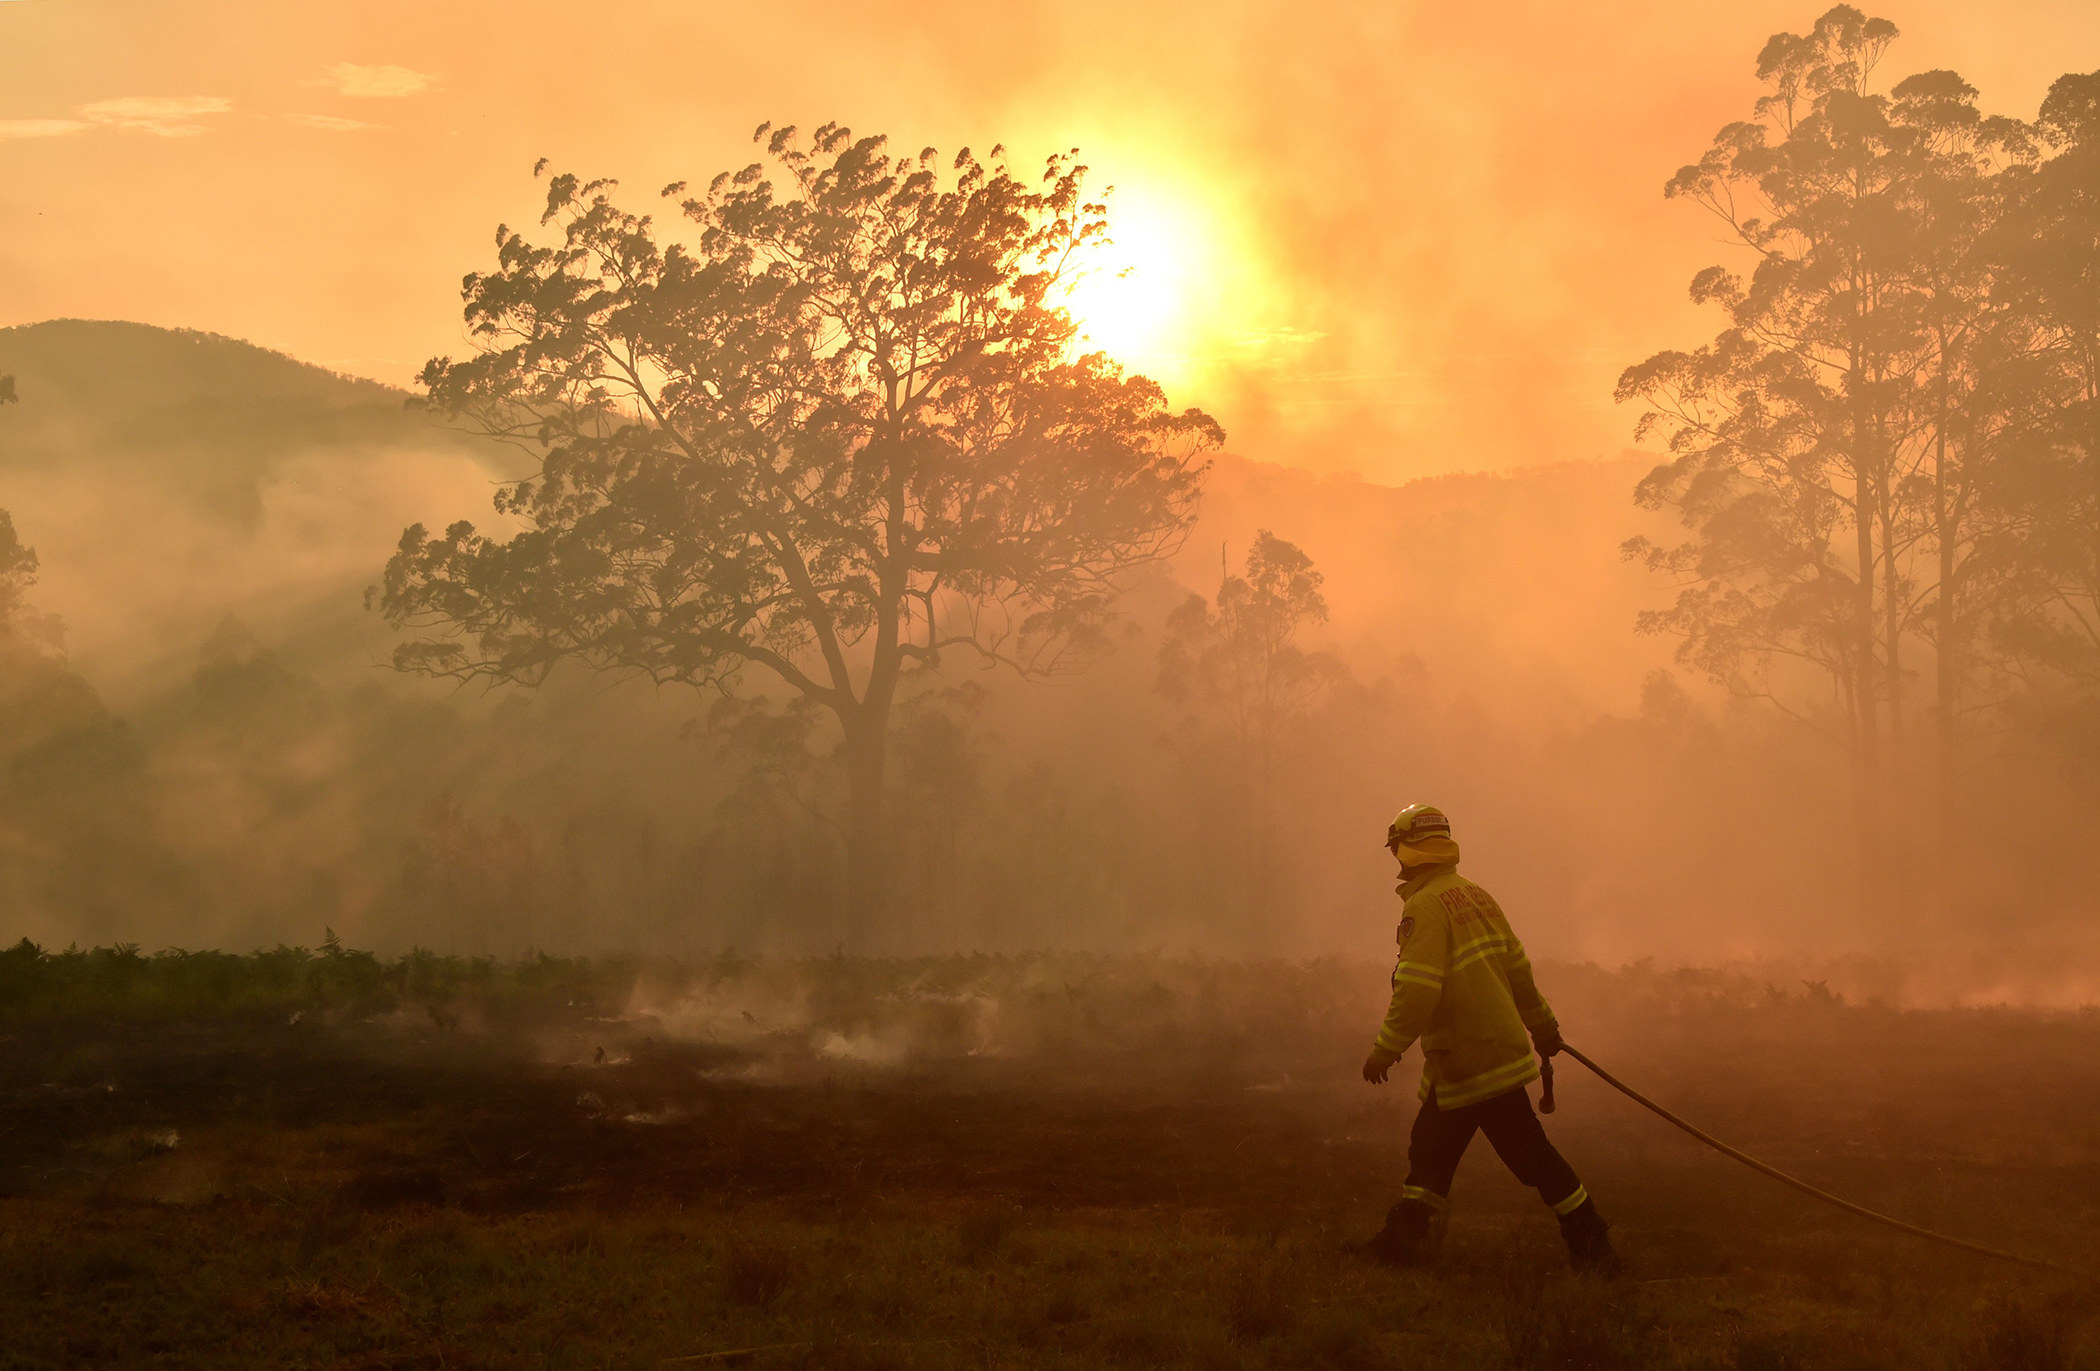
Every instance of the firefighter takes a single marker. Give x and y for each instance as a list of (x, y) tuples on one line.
[(1463, 986)]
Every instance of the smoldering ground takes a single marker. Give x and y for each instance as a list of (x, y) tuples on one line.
[(1042, 1161)]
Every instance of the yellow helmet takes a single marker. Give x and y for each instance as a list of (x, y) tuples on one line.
[(1420, 835)]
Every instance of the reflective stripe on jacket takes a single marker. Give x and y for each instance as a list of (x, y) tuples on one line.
[(1463, 986)]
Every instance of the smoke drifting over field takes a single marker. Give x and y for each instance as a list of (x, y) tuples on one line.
[(227, 761), (202, 741)]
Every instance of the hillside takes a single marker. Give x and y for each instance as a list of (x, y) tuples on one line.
[(168, 478), (214, 418)]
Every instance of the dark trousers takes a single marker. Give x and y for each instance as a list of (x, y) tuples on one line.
[(1440, 1137)]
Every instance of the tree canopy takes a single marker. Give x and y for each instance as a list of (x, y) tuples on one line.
[(838, 431), (1240, 659), (1881, 455)]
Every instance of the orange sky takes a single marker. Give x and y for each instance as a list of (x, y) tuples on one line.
[(1419, 237)]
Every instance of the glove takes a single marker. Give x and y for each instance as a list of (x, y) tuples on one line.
[(1546, 1038)]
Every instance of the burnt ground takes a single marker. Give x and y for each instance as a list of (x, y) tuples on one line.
[(398, 1193)]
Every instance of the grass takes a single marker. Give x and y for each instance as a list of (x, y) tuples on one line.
[(273, 1286)]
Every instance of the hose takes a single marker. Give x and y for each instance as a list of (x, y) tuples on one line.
[(1805, 1188)]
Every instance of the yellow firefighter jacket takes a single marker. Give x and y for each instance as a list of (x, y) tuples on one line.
[(1463, 986)]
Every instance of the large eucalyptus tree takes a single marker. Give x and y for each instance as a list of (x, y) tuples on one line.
[(836, 431)]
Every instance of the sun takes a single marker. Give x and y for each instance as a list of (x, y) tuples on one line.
[(1138, 296)]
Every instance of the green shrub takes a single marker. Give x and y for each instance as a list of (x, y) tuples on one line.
[(121, 984)]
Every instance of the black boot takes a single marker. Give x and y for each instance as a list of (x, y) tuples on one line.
[(1412, 1235), (1589, 1241)]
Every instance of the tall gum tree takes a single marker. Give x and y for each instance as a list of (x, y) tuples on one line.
[(1241, 657), (2045, 255), (1795, 435), (1971, 386), (835, 432)]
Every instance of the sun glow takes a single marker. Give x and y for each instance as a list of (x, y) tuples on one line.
[(1140, 297)]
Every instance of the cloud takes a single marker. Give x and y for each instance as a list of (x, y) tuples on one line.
[(331, 122), (39, 128), (378, 83), (169, 116)]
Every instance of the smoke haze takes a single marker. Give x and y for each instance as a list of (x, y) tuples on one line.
[(251, 771), (1420, 244)]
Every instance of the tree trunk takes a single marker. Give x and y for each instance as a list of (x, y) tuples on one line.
[(867, 821), (1865, 672), (1947, 665), (1867, 720), (1261, 924), (867, 729)]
